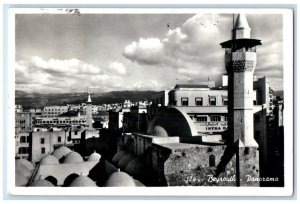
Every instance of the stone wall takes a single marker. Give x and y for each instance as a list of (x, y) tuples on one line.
[(179, 164)]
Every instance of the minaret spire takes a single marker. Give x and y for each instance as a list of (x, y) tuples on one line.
[(241, 27), (240, 62)]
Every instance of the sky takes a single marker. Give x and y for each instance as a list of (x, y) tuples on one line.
[(57, 53)]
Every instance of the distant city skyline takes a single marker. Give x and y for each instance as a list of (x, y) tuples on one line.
[(59, 53)]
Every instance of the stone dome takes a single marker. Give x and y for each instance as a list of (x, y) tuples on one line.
[(118, 156), (136, 168), (83, 181), (61, 152), (24, 171), (25, 163), (20, 179), (49, 160), (41, 183), (73, 157), (119, 179), (160, 131), (125, 160), (138, 183), (94, 157)]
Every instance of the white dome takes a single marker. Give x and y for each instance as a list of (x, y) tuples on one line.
[(83, 181), (24, 171), (94, 157), (119, 179), (25, 163), (49, 160), (61, 152), (41, 183), (73, 157), (138, 183), (20, 179)]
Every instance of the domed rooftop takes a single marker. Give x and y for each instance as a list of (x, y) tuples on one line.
[(49, 160), (118, 156), (136, 168), (61, 152), (20, 179), (94, 157), (119, 179), (24, 171), (41, 183), (138, 183), (83, 181), (25, 163), (125, 160), (73, 157)]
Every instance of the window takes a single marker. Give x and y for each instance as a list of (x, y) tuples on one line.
[(43, 150), (184, 101), (201, 118), (23, 150), (23, 139), (254, 103), (59, 139), (215, 118), (76, 132), (212, 101), (212, 160), (42, 140), (225, 101), (226, 118), (199, 101)]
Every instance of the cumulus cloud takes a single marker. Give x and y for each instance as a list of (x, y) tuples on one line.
[(117, 67), (146, 51), (193, 49), (64, 75), (70, 66)]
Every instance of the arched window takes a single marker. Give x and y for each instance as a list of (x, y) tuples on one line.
[(212, 160), (52, 179), (70, 179)]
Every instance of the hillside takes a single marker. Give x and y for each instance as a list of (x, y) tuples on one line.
[(38, 100)]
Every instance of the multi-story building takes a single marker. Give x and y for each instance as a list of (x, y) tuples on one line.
[(46, 140), (65, 119), (23, 121), (53, 111), (18, 108), (22, 142)]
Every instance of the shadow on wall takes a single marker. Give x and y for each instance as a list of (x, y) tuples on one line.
[(172, 122)]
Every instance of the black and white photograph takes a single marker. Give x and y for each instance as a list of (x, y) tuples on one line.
[(151, 98)]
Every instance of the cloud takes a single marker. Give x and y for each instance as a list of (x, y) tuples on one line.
[(193, 49), (145, 51), (69, 66), (146, 85), (65, 75), (117, 67)]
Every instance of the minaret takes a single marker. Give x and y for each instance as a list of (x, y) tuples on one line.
[(89, 118), (240, 62)]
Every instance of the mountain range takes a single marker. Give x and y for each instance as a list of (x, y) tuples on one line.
[(39, 100)]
